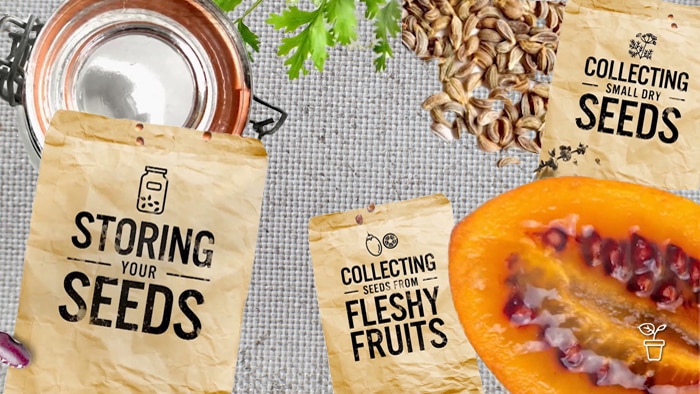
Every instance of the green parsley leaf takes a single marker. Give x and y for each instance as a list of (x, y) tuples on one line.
[(319, 39), (386, 25), (228, 5), (341, 15), (250, 38), (292, 18), (373, 7), (333, 22), (311, 42)]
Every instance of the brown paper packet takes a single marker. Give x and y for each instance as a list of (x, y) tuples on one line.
[(399, 251), (628, 39), (93, 177)]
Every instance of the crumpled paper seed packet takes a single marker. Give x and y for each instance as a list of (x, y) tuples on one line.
[(386, 307), (139, 258), (621, 104)]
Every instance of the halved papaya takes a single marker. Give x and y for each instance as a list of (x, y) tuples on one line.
[(576, 285)]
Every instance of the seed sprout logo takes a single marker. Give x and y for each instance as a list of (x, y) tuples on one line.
[(655, 347), (375, 246), (638, 48)]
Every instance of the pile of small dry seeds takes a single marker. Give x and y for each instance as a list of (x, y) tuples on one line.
[(494, 58)]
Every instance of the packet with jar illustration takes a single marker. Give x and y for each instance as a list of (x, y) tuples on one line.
[(621, 104), (386, 307), (139, 258)]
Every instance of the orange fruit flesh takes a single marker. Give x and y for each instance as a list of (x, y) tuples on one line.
[(598, 310)]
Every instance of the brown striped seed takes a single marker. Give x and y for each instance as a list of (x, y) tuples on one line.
[(435, 100), (443, 131), (486, 145), (504, 161), (495, 44)]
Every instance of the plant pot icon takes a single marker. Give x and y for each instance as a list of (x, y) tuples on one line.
[(655, 349)]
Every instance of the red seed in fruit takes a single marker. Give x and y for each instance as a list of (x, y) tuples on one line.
[(694, 274), (614, 261), (572, 357), (642, 285), (667, 296), (518, 312), (591, 247), (643, 255), (677, 261), (555, 238)]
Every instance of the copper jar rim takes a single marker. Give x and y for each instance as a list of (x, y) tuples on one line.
[(197, 30)]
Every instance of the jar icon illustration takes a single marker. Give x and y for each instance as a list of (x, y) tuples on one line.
[(152, 190)]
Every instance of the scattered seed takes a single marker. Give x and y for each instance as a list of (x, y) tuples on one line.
[(474, 81), (470, 47), (486, 145), (541, 89), (408, 39), (456, 32), (518, 27), (441, 23), (455, 89), (513, 9), (455, 107), (500, 45), (487, 117), (435, 100), (444, 132), (505, 31)]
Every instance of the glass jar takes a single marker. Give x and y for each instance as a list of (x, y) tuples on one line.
[(175, 62), (152, 190)]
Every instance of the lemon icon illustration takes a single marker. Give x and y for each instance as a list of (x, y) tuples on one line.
[(373, 245)]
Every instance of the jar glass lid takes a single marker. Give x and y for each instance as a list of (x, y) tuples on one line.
[(176, 62)]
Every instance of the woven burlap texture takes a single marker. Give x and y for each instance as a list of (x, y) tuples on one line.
[(353, 137)]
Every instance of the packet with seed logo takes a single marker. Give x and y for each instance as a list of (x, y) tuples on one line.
[(621, 104), (139, 258), (386, 307)]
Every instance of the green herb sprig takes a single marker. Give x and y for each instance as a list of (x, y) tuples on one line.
[(331, 23)]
